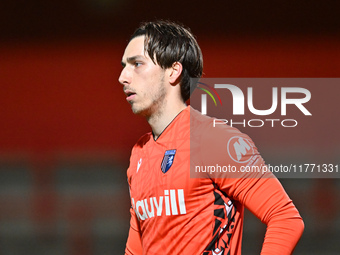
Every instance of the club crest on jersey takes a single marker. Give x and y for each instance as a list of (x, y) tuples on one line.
[(168, 159)]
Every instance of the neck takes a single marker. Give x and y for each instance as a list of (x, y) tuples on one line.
[(160, 120)]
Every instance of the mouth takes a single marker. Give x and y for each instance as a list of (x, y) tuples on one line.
[(130, 94)]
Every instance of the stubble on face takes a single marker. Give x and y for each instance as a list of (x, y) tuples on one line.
[(154, 99), (144, 80)]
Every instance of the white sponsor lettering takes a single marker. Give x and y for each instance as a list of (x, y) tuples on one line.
[(152, 212), (167, 205), (182, 208), (159, 205), (173, 202), (146, 208), (140, 205)]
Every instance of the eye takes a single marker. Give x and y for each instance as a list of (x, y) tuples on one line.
[(137, 64)]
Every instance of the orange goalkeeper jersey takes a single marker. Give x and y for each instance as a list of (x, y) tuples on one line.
[(174, 213)]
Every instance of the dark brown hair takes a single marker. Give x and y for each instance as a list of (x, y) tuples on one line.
[(166, 43)]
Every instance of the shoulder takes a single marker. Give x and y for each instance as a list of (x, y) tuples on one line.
[(211, 130), (137, 152), (142, 141), (217, 141)]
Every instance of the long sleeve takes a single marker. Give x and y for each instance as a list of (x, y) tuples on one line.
[(133, 244), (251, 186), (268, 201)]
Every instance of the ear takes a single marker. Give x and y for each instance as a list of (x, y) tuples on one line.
[(175, 73)]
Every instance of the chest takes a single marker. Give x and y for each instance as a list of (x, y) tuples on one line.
[(157, 169), (160, 181)]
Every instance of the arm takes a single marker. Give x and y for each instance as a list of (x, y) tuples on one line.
[(133, 244), (267, 200), (260, 192)]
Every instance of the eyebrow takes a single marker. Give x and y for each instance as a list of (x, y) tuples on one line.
[(132, 59)]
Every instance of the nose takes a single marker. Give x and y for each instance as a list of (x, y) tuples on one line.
[(125, 77)]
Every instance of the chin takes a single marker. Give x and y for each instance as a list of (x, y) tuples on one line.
[(142, 111), (137, 110)]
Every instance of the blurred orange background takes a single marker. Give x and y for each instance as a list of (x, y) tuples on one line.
[(66, 130)]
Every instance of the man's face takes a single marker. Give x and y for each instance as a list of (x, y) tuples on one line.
[(144, 81)]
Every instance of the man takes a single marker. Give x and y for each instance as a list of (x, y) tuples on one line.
[(172, 213)]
